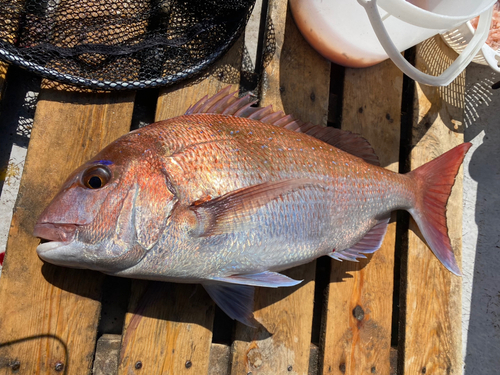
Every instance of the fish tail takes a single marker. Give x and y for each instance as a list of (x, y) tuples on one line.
[(434, 181)]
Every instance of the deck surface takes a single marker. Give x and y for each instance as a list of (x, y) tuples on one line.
[(399, 306)]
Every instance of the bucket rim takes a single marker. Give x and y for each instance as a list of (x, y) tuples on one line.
[(417, 16)]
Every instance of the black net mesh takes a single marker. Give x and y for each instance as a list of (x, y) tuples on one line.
[(119, 44)]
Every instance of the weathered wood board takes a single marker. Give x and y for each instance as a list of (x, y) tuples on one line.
[(297, 82), (432, 329), (3, 72), (49, 314), (358, 322)]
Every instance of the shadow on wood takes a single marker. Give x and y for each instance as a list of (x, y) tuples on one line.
[(60, 365)]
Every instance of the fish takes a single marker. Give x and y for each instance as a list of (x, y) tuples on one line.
[(229, 194)]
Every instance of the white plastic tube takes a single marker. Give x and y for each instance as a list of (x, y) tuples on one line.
[(490, 55), (453, 70)]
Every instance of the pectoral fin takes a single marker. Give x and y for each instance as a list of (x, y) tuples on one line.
[(231, 211), (234, 294)]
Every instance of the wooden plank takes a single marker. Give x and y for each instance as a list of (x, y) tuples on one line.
[(296, 81), (3, 73), (433, 296), (297, 78), (173, 335), (358, 321), (106, 355), (220, 359), (49, 314)]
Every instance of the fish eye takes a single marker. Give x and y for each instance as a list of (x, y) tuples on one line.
[(96, 177)]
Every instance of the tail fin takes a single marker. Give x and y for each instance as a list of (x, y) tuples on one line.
[(435, 180)]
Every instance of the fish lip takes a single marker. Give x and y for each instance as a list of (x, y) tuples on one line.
[(56, 232), (56, 252), (48, 246)]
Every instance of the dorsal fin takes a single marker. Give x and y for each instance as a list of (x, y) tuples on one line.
[(225, 102), (349, 142)]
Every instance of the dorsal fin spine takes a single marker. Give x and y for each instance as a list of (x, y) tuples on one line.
[(269, 119), (222, 104), (243, 111), (233, 107), (215, 99), (261, 113), (195, 107), (282, 122)]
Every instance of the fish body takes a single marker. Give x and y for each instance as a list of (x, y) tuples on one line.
[(228, 195)]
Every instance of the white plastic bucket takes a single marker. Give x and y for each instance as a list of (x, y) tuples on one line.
[(360, 33)]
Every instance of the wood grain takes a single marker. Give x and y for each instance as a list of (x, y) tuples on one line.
[(49, 314), (220, 359), (433, 296), (358, 321), (3, 73), (296, 81), (172, 334)]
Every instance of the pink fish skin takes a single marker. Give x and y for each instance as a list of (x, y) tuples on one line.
[(228, 195)]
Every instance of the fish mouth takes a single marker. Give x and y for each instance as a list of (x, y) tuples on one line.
[(65, 254), (58, 246), (55, 232), (53, 236)]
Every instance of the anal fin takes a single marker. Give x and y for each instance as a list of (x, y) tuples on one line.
[(370, 243)]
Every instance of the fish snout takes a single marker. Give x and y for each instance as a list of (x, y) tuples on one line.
[(55, 232)]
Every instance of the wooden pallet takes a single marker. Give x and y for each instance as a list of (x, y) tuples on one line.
[(340, 320)]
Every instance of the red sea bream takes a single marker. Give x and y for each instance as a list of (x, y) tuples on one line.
[(228, 195)]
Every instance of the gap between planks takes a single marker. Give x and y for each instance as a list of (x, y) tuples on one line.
[(358, 325)]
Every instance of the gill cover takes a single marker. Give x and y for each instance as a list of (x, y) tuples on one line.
[(153, 205)]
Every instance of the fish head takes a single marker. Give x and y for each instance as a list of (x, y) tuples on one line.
[(109, 213)]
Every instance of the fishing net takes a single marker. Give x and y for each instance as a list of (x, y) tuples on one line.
[(119, 44)]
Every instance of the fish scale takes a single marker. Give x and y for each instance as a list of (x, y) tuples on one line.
[(230, 197), (216, 162), (284, 159)]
